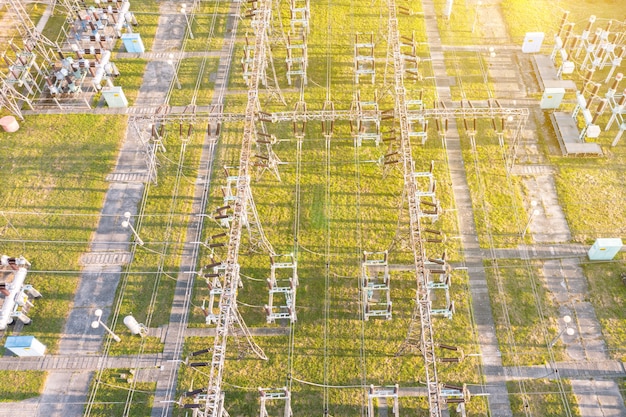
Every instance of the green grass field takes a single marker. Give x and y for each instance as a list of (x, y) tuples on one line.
[(54, 175), (541, 15), (20, 385)]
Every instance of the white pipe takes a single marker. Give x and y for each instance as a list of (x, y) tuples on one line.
[(15, 289), (100, 70), (121, 18)]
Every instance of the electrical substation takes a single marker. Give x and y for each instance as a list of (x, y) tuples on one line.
[(324, 242), (68, 71)]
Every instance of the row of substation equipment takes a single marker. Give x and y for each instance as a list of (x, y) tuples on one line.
[(40, 67), (594, 51)]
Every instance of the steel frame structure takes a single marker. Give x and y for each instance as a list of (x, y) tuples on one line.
[(284, 269), (37, 47), (422, 309), (275, 394), (30, 35), (364, 62), (375, 285), (214, 399), (367, 119), (388, 393), (331, 115)]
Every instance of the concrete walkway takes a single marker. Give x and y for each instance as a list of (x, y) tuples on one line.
[(540, 251), (158, 75), (571, 369), (80, 362), (568, 285), (498, 398), (562, 274)]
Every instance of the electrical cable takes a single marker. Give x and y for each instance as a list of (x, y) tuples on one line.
[(327, 206), (325, 385), (359, 279)]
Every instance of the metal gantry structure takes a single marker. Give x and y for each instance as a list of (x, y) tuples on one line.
[(30, 34), (283, 280), (327, 115), (387, 394), (214, 399), (423, 304)]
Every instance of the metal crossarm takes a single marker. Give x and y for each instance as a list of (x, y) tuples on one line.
[(423, 304), (480, 110), (265, 157), (214, 406)]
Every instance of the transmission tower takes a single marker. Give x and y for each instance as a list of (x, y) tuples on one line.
[(31, 37), (408, 48), (151, 135), (439, 282), (19, 76), (418, 124), (428, 208), (391, 159), (422, 313), (71, 7), (249, 217), (270, 83), (26, 70), (213, 401)]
